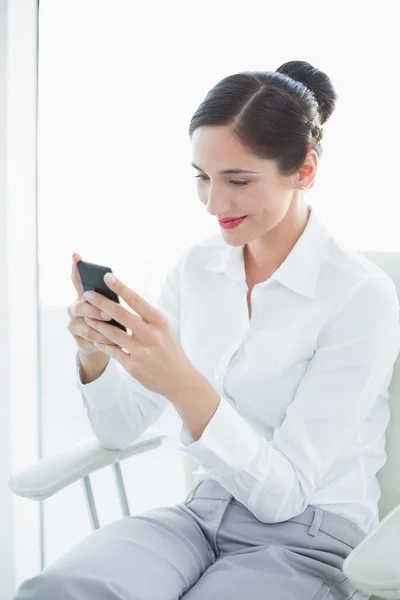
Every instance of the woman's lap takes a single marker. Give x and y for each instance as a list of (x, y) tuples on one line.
[(157, 555), (207, 546), (259, 575)]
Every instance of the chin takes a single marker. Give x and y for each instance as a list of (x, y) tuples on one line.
[(235, 240), (235, 243)]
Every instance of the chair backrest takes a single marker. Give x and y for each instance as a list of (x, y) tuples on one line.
[(389, 475)]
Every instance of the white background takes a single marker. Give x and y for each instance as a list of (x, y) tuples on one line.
[(117, 86)]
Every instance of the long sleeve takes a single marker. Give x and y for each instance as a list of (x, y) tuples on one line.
[(353, 363), (118, 407)]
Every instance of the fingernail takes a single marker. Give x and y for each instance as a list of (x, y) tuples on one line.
[(105, 316), (88, 320), (109, 278), (89, 295)]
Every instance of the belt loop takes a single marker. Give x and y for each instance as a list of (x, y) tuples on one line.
[(316, 524), (191, 494)]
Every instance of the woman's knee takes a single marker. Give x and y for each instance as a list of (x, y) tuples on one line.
[(47, 585), (59, 584)]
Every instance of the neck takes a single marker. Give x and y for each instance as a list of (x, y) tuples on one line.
[(264, 255)]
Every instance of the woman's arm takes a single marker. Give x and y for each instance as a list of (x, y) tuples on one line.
[(118, 407), (353, 363)]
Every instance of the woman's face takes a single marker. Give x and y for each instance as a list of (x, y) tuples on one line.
[(263, 196)]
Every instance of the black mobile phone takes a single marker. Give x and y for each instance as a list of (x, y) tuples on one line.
[(92, 278)]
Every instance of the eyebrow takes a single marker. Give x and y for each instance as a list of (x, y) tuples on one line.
[(227, 171)]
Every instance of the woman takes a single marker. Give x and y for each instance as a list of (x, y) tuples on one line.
[(275, 344)]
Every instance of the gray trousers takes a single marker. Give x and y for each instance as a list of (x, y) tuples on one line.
[(210, 546)]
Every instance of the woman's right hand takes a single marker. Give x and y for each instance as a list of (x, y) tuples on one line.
[(83, 334)]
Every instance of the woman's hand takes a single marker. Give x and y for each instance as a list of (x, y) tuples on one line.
[(83, 335), (151, 354)]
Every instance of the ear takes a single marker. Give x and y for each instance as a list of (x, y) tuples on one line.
[(308, 171)]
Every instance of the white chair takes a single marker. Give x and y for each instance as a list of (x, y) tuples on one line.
[(373, 566)]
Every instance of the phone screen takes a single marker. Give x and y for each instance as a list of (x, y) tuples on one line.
[(92, 278)]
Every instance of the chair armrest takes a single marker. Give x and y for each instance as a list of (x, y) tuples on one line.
[(374, 565), (50, 475)]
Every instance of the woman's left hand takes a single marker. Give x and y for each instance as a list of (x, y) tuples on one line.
[(154, 357)]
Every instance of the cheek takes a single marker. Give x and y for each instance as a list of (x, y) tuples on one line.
[(252, 201), (202, 195), (273, 213), (264, 206)]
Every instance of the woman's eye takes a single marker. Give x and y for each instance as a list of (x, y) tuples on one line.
[(240, 183), (237, 183)]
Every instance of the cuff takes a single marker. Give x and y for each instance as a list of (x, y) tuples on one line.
[(227, 442), (103, 392)]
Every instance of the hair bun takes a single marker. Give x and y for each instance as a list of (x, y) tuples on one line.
[(315, 80)]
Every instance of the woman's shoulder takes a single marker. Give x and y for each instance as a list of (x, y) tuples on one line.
[(356, 281), (350, 269)]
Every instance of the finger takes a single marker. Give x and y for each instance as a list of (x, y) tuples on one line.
[(82, 330), (104, 341), (143, 308), (142, 331), (115, 334), (81, 308), (116, 353), (76, 280)]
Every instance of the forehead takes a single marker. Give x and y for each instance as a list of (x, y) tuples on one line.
[(216, 139), (215, 147)]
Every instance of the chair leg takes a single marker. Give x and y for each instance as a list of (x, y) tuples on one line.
[(91, 503), (123, 499)]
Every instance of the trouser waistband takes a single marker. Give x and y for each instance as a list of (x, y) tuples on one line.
[(315, 517)]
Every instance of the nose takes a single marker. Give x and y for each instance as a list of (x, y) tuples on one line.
[(217, 201)]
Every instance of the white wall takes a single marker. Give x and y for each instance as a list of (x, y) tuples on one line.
[(6, 508), (19, 388)]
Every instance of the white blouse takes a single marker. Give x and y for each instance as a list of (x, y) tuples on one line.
[(303, 383)]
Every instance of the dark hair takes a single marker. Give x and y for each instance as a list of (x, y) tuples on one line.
[(275, 115)]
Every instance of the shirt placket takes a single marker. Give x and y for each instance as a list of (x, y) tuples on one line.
[(226, 357)]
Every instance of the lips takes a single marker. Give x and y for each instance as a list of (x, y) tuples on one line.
[(229, 219), (232, 224)]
